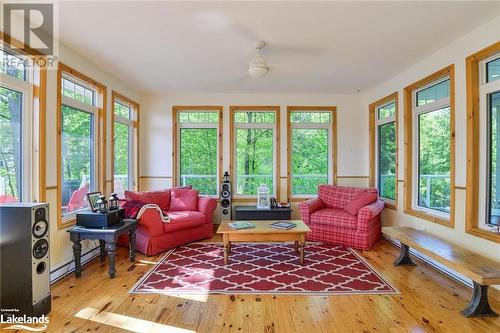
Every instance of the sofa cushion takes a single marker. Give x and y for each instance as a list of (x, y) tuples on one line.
[(161, 198), (338, 196), (183, 199), (180, 220), (335, 218), (359, 201)]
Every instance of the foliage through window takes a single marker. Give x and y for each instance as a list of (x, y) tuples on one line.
[(386, 151), (433, 147), (123, 148), (77, 91), (78, 171), (198, 133), (254, 151), (11, 150), (311, 148), (79, 148)]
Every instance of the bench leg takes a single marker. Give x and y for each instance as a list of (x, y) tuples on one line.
[(404, 258), (478, 305)]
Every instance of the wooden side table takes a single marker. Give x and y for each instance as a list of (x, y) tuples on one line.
[(107, 241)]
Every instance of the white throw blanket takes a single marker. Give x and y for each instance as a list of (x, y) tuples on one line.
[(164, 218)]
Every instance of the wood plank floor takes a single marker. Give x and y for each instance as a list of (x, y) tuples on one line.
[(428, 302)]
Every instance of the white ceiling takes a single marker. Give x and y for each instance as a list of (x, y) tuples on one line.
[(312, 47)]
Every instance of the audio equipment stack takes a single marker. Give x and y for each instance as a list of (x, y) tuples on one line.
[(24, 259)]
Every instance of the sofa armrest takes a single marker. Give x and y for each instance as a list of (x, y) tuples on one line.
[(308, 207), (370, 211), (207, 206), (151, 220)]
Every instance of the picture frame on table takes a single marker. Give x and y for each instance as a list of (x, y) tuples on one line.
[(92, 198)]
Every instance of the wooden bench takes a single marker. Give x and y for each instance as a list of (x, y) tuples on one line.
[(481, 270)]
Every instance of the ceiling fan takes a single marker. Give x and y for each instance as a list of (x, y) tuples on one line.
[(258, 66)]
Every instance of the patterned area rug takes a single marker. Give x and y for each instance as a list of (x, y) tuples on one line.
[(262, 268)]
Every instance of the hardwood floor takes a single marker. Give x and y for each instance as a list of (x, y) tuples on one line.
[(428, 302)]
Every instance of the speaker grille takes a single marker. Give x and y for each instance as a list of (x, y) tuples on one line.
[(40, 248), (40, 228)]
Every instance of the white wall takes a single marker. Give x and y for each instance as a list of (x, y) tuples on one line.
[(156, 132), (454, 53)]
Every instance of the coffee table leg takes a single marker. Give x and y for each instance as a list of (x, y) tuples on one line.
[(229, 244), (226, 248), (112, 257), (301, 249), (296, 246)]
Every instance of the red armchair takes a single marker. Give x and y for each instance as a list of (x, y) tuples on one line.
[(330, 223), (154, 236)]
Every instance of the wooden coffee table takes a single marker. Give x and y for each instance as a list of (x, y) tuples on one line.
[(264, 233)]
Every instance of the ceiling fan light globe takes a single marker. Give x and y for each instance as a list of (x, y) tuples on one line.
[(258, 71)]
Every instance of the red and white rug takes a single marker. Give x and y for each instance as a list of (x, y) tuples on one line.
[(262, 268)]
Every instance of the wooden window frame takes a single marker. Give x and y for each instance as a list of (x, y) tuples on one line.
[(232, 158), (473, 147), (373, 108), (333, 142), (448, 71), (101, 100), (38, 105), (135, 108), (175, 140)]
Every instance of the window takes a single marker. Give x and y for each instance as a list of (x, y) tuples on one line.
[(254, 149), (14, 66), (22, 120), (487, 86), (383, 160), (483, 112), (312, 141), (492, 101), (198, 141), (81, 164), (124, 144), (429, 126)]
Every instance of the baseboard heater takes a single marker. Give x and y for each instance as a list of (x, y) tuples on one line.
[(443, 269), (69, 267)]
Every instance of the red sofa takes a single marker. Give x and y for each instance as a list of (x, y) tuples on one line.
[(190, 219), (331, 223)]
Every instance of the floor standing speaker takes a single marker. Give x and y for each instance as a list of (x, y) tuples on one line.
[(225, 201), (24, 259)]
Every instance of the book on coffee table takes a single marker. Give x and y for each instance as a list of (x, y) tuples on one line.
[(241, 225), (283, 225)]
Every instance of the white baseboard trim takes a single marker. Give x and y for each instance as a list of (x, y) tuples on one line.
[(69, 267), (440, 267)]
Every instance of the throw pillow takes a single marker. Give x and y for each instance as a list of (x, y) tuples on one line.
[(359, 201), (160, 198), (183, 199)]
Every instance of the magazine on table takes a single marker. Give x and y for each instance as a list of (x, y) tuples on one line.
[(241, 225), (283, 225)]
